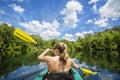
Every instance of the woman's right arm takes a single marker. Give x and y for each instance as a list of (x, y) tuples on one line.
[(43, 57)]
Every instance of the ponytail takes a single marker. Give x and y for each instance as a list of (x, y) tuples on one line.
[(63, 52)]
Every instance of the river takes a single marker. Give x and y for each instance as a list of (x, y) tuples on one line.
[(31, 72)]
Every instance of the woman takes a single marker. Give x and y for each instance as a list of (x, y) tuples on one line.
[(60, 64)]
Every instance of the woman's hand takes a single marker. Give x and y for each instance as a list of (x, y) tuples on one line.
[(48, 50), (43, 56)]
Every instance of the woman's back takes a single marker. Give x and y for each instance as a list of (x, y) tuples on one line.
[(55, 65)]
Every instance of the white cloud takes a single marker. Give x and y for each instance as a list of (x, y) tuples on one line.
[(17, 8), (102, 22), (49, 34), (45, 29), (68, 37), (2, 12), (88, 32), (52, 26), (20, 0), (32, 26), (72, 9), (95, 9), (114, 19), (82, 34), (111, 9), (6, 23), (89, 21), (78, 34), (56, 24), (92, 1)]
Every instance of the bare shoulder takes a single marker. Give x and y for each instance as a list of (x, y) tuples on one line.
[(47, 58), (52, 58)]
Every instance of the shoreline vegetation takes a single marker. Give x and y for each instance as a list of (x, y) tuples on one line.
[(101, 49)]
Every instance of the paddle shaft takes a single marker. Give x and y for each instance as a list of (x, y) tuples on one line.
[(41, 46)]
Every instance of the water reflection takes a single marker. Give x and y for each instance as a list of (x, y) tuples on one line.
[(31, 72), (103, 59), (15, 60)]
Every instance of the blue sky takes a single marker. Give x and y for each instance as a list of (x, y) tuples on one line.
[(61, 19)]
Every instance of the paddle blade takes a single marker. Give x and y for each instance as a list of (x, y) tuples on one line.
[(24, 36), (87, 72)]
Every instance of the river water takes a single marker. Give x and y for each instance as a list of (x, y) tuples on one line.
[(31, 72)]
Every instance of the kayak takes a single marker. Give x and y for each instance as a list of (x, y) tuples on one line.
[(76, 75)]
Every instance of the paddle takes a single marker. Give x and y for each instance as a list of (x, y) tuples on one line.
[(87, 72), (26, 37)]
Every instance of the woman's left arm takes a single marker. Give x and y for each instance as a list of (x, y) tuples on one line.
[(43, 57), (74, 64)]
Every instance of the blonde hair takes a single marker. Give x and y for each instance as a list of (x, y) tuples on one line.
[(63, 51)]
